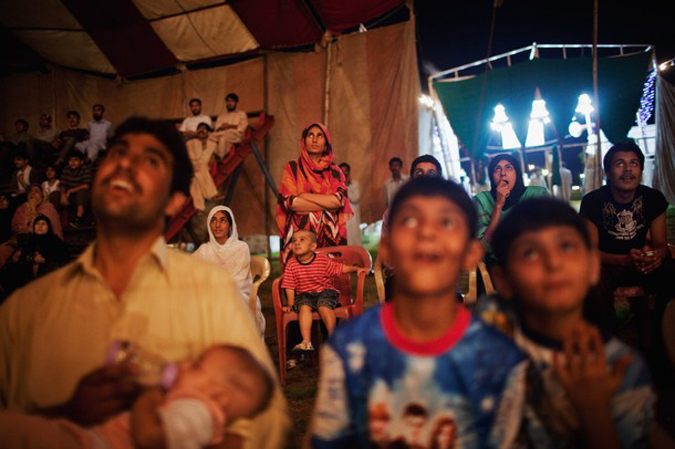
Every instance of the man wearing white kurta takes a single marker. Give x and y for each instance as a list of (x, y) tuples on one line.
[(394, 183), (201, 151), (230, 126), (100, 130), (190, 124)]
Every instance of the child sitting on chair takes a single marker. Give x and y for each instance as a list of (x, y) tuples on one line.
[(309, 285), (224, 384)]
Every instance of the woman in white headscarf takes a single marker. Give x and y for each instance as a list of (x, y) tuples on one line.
[(226, 250)]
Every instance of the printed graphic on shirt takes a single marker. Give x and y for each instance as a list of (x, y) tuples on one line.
[(373, 395), (625, 224)]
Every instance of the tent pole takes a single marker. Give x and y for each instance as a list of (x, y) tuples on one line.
[(261, 163), (597, 182), (326, 100), (266, 105)]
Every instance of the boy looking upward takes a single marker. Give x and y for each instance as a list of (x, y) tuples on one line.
[(309, 285), (423, 347), (593, 391)]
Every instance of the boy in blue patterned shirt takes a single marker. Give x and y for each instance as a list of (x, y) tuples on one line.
[(420, 371), (584, 389)]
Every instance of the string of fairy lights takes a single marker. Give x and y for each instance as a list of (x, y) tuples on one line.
[(647, 100)]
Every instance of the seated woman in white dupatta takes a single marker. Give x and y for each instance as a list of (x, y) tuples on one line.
[(226, 250)]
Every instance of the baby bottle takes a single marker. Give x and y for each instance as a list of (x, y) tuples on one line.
[(153, 371)]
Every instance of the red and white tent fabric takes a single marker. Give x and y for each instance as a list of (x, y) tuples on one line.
[(155, 55), (136, 37)]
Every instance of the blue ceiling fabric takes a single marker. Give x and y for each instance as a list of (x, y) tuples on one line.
[(560, 81)]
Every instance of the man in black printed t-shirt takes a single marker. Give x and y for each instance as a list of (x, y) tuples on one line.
[(620, 216)]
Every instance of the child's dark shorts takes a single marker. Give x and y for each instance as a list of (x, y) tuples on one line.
[(326, 298)]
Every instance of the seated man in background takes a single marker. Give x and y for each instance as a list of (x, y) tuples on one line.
[(190, 124), (75, 183), (230, 126), (22, 135), (619, 216), (73, 135), (55, 332), (100, 131), (45, 143), (24, 176)]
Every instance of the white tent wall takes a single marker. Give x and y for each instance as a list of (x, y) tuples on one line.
[(664, 164), (372, 113)]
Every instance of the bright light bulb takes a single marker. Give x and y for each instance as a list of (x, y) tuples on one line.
[(535, 134), (584, 106), (544, 172), (539, 110), (426, 101), (500, 123), (576, 129), (500, 114), (509, 139)]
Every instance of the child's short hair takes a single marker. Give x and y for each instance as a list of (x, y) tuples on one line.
[(533, 215), (75, 153), (431, 186), (426, 158), (312, 235)]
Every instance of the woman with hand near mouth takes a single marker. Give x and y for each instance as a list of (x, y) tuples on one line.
[(313, 194), (507, 189)]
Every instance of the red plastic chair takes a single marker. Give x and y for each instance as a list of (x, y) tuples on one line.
[(350, 306)]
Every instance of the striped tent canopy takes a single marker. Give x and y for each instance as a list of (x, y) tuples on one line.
[(132, 38)]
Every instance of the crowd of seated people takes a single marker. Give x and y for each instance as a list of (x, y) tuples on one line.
[(46, 174), (534, 365)]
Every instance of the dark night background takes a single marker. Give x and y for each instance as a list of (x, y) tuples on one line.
[(452, 33)]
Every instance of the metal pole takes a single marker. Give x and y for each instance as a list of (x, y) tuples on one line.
[(265, 170), (326, 101), (233, 183), (266, 106), (597, 182)]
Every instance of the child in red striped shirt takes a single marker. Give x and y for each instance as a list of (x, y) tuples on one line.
[(309, 284)]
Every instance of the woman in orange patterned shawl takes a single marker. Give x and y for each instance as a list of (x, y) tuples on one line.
[(313, 193)]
